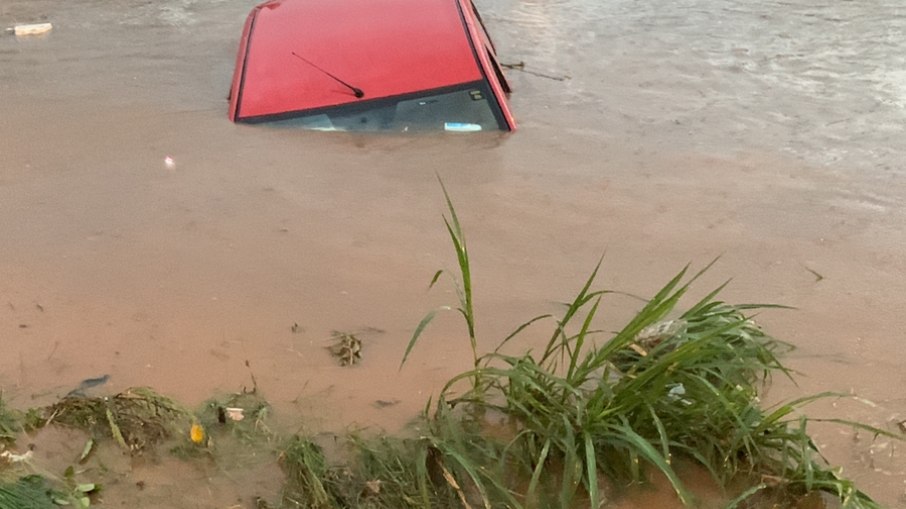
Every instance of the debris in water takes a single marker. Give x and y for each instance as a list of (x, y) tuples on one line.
[(818, 276), (234, 413), (348, 348), (11, 457), (244, 413), (136, 418), (86, 451), (169, 163), (86, 384), (32, 29), (196, 434), (384, 403), (252, 375), (372, 488)]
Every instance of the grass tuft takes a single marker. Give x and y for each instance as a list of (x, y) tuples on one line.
[(29, 492), (593, 410), (135, 418), (10, 422)]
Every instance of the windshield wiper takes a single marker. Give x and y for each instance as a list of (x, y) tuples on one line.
[(355, 90)]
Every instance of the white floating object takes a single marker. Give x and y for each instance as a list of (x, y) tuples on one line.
[(169, 163), (235, 414), (32, 29), (11, 457)]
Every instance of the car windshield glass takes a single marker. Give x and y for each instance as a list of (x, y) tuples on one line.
[(467, 108)]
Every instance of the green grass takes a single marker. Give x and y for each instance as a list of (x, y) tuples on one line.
[(12, 422), (9, 424), (29, 492), (593, 410)]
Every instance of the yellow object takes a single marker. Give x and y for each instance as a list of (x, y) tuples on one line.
[(197, 433)]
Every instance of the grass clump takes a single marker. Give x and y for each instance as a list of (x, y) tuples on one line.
[(10, 422), (243, 414), (310, 481), (379, 472), (591, 410), (135, 418), (29, 492), (13, 422)]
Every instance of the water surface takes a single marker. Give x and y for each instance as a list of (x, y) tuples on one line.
[(767, 133)]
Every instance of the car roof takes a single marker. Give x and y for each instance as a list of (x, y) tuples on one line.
[(290, 49)]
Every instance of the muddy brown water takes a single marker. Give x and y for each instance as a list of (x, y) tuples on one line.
[(768, 133)]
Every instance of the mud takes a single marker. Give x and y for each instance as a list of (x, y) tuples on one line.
[(769, 134)]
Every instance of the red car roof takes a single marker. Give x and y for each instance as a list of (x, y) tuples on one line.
[(373, 45)]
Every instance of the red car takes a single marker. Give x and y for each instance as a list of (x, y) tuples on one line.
[(368, 65)]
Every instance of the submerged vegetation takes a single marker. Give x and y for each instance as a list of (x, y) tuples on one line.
[(569, 424), (136, 418)]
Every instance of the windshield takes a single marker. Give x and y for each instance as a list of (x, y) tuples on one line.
[(464, 108)]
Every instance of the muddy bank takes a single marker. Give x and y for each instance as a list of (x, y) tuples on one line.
[(681, 135)]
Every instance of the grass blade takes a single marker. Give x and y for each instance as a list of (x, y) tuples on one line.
[(418, 332), (591, 470)]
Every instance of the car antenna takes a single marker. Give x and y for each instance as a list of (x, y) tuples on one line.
[(356, 91)]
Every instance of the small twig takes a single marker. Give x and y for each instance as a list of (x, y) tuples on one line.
[(840, 121), (52, 417), (818, 276), (251, 374), (20, 379)]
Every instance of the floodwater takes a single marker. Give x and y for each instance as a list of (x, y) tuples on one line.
[(768, 133)]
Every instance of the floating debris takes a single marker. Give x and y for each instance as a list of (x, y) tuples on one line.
[(136, 418), (32, 29), (12, 458), (197, 434), (86, 384), (347, 348), (384, 403), (234, 414)]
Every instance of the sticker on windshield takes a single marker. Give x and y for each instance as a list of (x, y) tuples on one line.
[(476, 95), (461, 127)]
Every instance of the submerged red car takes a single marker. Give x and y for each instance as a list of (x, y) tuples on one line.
[(370, 65)]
